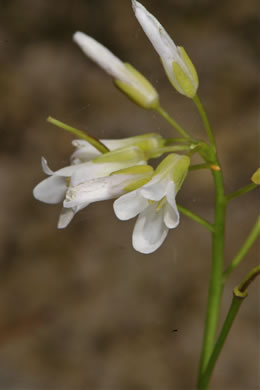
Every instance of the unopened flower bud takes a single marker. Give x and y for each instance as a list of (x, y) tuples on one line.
[(126, 77), (176, 62)]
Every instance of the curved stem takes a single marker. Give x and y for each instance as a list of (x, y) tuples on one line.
[(241, 191), (79, 133), (239, 293), (196, 218), (253, 235), (172, 122)]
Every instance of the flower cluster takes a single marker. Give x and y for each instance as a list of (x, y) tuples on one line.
[(123, 173)]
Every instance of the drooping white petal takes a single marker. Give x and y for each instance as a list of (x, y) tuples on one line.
[(171, 194), (149, 231), (51, 190), (67, 215), (171, 213), (129, 205), (102, 56), (171, 216)]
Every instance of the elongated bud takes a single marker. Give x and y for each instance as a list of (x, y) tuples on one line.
[(177, 64), (126, 77)]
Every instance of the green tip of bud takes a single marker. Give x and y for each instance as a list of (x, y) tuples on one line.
[(256, 177), (140, 91)]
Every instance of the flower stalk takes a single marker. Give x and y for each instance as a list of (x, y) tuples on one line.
[(252, 237), (239, 294), (79, 133)]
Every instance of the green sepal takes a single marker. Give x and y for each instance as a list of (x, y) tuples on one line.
[(184, 81), (175, 164), (144, 172), (189, 65), (128, 153)]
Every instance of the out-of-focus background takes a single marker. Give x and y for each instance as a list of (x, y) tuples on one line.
[(79, 308)]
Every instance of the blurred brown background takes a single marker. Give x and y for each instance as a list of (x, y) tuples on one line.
[(79, 308)]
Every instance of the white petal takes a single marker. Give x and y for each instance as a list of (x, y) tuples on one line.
[(171, 213), (129, 205), (160, 40), (65, 217), (51, 190), (102, 56), (95, 190), (90, 170), (171, 216), (45, 167), (171, 194), (69, 170), (84, 153), (149, 231), (155, 189), (67, 214)]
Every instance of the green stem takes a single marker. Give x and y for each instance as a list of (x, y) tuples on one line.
[(196, 218), (79, 133), (205, 120), (173, 123), (215, 286), (253, 235), (241, 191), (239, 293)]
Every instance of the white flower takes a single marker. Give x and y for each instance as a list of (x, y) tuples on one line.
[(128, 79), (178, 66), (147, 142), (108, 187), (155, 204), (53, 189)]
